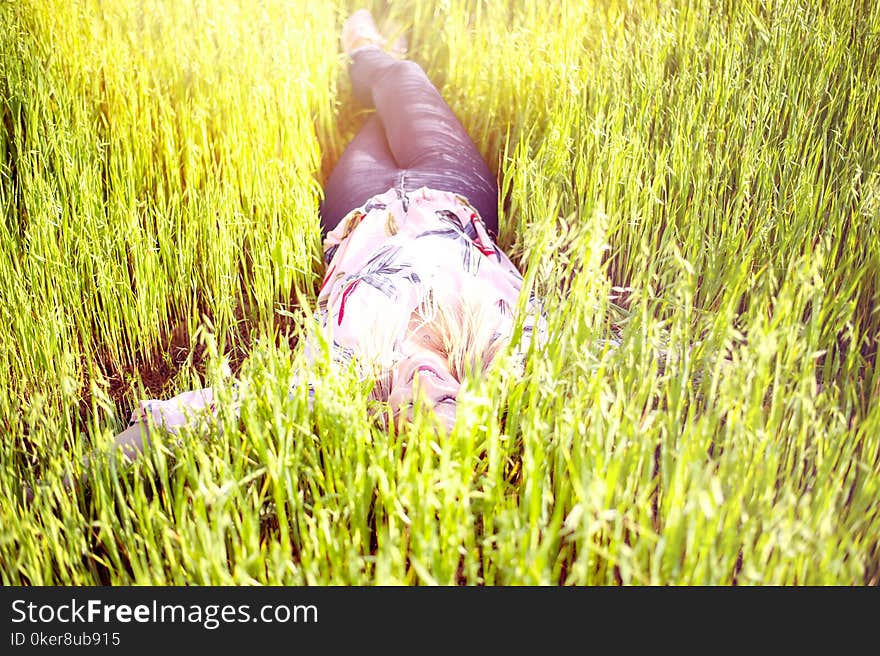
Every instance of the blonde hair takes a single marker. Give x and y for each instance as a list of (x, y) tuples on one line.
[(464, 332)]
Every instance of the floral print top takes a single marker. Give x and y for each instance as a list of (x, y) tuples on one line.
[(386, 259)]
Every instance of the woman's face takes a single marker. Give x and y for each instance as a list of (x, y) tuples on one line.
[(425, 372)]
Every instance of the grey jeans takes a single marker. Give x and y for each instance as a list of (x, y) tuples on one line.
[(412, 140)]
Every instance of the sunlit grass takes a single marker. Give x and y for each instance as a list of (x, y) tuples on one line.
[(700, 181)]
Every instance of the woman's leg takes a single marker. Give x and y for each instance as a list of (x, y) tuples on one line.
[(422, 132), (365, 169)]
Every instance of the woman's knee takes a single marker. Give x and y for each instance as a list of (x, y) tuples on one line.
[(404, 71)]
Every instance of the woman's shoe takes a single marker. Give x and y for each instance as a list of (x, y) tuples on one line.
[(398, 47), (360, 31)]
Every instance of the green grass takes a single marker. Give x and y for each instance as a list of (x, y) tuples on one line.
[(701, 179)]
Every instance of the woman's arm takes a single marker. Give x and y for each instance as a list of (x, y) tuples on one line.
[(130, 444)]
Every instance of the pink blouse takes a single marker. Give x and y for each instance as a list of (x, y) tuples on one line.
[(394, 267)]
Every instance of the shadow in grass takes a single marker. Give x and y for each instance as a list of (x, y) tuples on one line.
[(182, 353)]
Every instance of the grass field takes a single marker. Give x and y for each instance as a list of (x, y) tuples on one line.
[(700, 179)]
